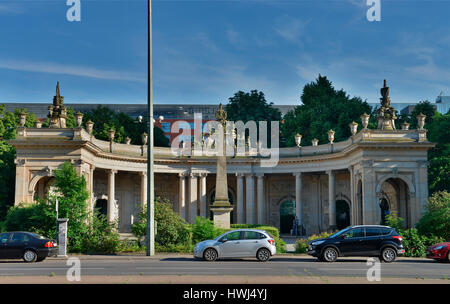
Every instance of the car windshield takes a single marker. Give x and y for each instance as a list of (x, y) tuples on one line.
[(339, 232)]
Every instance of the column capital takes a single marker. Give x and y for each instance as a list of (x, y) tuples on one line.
[(194, 174), (112, 171), (240, 174), (248, 175), (330, 172), (259, 175), (203, 174), (183, 174), (297, 174), (143, 173)]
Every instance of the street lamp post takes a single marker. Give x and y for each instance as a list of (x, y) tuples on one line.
[(150, 239)]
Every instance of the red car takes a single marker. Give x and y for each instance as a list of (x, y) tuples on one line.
[(439, 252)]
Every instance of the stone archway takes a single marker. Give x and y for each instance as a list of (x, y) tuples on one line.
[(394, 198), (43, 186)]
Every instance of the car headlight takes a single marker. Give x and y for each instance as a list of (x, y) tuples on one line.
[(317, 243), (439, 247)]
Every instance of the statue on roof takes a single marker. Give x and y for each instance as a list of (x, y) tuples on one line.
[(57, 112), (386, 113)]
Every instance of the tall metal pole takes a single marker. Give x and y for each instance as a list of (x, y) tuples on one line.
[(150, 240)]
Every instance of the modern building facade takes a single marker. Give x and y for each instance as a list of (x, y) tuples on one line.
[(326, 186)]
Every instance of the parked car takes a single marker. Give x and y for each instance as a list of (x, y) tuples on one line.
[(367, 240), (28, 246), (240, 243), (439, 252)]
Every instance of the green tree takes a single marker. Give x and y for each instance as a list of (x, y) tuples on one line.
[(252, 106), (323, 108), (436, 220), (125, 126)]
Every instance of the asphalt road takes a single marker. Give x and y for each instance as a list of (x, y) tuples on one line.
[(185, 265)]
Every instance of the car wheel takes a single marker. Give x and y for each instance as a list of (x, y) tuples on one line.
[(329, 255), (388, 255), (210, 255), (29, 256), (263, 255)]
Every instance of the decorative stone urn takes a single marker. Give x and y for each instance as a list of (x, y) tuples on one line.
[(89, 126), (144, 137), (365, 120), (353, 128), (79, 118), (405, 126), (298, 139), (315, 142), (331, 136), (421, 121), (127, 140), (111, 134), (22, 119), (38, 124)]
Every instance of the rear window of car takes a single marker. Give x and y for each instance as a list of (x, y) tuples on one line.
[(372, 231), (253, 235), (20, 237), (385, 231)]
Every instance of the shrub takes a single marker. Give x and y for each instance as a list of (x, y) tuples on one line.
[(394, 221), (101, 237), (203, 229), (301, 244), (416, 244), (171, 229), (436, 220)]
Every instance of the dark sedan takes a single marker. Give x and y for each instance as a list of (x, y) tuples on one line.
[(377, 241), (28, 246)]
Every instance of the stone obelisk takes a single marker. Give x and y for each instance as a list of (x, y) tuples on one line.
[(221, 208)]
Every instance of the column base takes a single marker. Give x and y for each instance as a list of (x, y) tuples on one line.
[(221, 216)]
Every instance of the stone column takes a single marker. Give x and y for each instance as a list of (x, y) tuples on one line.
[(250, 199), (22, 182), (371, 207), (260, 198), (352, 197), (193, 198), (298, 198), (182, 196), (203, 195), (240, 198), (331, 201), (143, 189), (91, 188), (111, 196)]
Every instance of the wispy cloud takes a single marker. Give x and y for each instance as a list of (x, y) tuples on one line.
[(10, 8), (80, 71), (290, 29)]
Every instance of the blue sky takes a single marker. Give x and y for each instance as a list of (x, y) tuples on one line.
[(205, 51)]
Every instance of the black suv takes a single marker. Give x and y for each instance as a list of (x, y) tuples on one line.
[(367, 240)]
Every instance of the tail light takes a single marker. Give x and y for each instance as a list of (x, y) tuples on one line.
[(398, 237), (48, 245), (271, 242)]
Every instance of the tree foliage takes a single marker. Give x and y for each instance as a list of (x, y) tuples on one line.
[(125, 126), (436, 220), (323, 108)]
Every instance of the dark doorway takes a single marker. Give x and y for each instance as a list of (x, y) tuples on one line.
[(342, 214), (287, 216), (384, 206), (101, 207)]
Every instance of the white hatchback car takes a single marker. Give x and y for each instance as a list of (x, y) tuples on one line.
[(240, 243)]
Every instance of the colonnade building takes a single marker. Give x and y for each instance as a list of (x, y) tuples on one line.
[(329, 185)]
